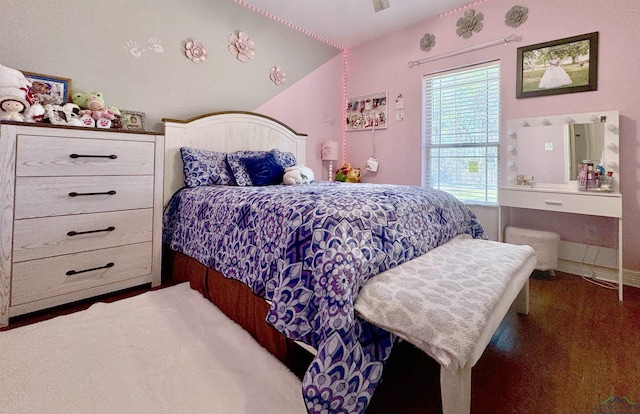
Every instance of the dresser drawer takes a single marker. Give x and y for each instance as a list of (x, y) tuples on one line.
[(56, 156), (50, 196), (44, 278), (52, 236), (577, 203)]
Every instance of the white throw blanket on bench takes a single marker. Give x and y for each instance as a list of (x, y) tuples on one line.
[(441, 301)]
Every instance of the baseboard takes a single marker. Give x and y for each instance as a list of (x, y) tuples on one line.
[(596, 261)]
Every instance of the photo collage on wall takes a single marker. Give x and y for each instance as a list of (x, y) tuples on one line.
[(367, 112)]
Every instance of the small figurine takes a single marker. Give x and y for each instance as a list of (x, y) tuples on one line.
[(13, 108)]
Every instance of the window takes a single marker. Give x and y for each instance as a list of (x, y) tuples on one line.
[(461, 132)]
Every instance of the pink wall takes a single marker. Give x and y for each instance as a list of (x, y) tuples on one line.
[(313, 106), (381, 65)]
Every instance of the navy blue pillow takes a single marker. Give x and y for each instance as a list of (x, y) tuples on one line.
[(264, 169)]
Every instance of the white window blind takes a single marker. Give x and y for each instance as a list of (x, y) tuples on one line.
[(461, 132)]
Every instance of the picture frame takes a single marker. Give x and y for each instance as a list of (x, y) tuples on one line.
[(133, 120), (560, 66), (366, 112), (49, 89)]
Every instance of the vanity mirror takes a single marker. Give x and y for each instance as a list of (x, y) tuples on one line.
[(550, 148)]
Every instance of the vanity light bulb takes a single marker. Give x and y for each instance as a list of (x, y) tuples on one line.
[(612, 164), (510, 148), (524, 123), (611, 127), (546, 122), (612, 146), (511, 133), (568, 120), (594, 118), (510, 178), (510, 164)]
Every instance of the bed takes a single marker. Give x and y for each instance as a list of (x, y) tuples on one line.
[(297, 259)]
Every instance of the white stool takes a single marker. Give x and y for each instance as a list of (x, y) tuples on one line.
[(545, 244)]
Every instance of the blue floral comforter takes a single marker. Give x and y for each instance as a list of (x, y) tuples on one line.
[(309, 249)]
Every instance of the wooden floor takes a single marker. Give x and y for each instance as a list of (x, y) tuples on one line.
[(578, 346)]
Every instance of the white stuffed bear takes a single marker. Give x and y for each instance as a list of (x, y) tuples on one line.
[(298, 174)]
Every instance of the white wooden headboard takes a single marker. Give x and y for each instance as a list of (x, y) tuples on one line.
[(224, 132)]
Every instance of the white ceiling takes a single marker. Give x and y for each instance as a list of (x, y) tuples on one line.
[(348, 23)]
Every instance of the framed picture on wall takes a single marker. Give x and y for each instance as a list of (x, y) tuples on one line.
[(560, 66), (49, 89), (366, 112), (133, 120)]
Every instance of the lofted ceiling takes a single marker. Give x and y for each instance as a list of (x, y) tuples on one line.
[(348, 23)]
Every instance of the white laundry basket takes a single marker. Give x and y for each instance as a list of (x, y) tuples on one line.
[(545, 244)]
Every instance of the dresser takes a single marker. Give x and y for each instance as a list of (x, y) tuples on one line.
[(80, 214)]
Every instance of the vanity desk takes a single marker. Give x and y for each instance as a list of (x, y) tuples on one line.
[(550, 148)]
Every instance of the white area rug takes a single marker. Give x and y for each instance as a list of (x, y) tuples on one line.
[(166, 351)]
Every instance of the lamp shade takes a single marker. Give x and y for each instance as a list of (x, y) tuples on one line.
[(329, 151)]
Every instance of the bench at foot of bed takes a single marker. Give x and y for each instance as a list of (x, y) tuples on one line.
[(449, 303)]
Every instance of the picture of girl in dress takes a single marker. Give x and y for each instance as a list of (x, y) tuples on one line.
[(555, 76)]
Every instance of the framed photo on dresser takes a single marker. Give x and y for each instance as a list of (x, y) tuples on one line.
[(133, 120), (49, 89)]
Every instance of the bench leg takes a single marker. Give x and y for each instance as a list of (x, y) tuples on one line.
[(456, 391), (522, 301)]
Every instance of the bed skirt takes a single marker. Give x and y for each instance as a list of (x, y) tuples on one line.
[(238, 302)]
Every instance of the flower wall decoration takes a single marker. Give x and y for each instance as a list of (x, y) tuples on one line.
[(196, 51), (471, 22), (516, 16), (277, 75), (427, 42), (241, 46)]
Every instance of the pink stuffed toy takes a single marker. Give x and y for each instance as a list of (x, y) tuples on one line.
[(101, 115)]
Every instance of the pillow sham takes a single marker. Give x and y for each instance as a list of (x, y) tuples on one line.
[(287, 159), (239, 172), (264, 169), (202, 167)]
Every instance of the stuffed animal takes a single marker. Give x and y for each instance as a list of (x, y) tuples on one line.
[(92, 105), (14, 89), (67, 114), (298, 174), (341, 173), (353, 176), (347, 173)]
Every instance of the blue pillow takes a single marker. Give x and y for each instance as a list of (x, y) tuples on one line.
[(264, 169), (238, 170), (202, 167)]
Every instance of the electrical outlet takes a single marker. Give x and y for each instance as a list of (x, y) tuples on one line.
[(591, 232)]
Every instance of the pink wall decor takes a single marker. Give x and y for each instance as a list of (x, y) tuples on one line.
[(277, 75), (155, 45), (241, 46), (196, 51)]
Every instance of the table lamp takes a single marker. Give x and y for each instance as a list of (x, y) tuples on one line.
[(329, 152)]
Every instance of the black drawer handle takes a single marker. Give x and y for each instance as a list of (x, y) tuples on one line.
[(75, 272), (74, 194), (77, 233), (112, 156)]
